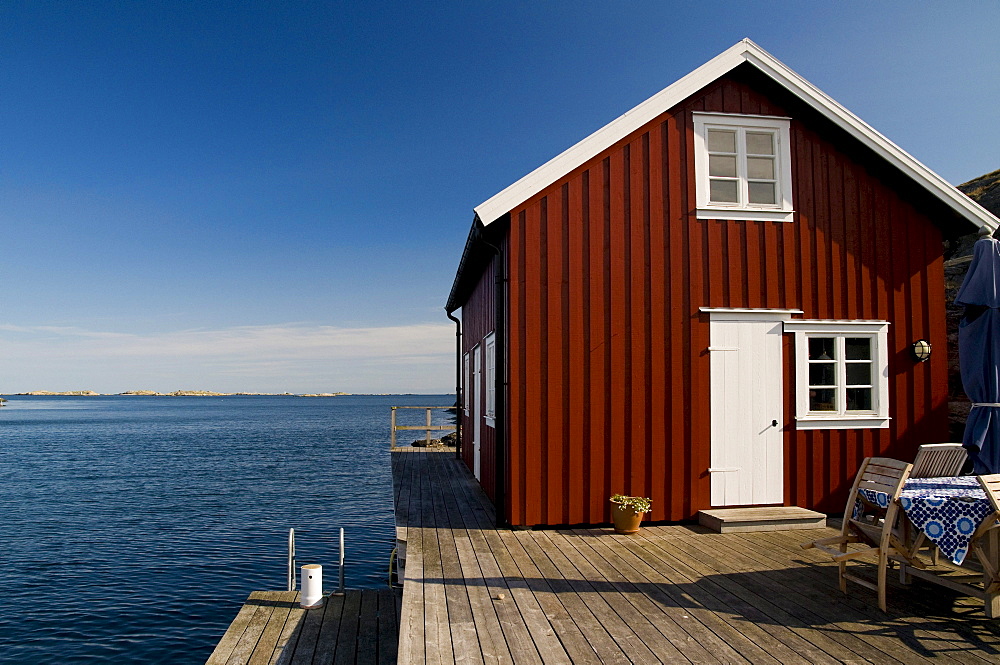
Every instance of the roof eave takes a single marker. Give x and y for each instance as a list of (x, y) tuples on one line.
[(744, 51), (455, 296)]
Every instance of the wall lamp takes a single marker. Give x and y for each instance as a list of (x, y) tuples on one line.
[(921, 350)]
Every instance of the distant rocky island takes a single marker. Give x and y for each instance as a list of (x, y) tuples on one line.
[(72, 393), (176, 393)]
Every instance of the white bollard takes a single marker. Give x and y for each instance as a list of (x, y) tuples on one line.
[(312, 586)]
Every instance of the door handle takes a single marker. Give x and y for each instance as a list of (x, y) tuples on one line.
[(774, 423)]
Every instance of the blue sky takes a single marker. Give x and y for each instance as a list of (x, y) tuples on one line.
[(274, 196)]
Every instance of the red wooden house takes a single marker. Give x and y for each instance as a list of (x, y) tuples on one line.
[(711, 301)]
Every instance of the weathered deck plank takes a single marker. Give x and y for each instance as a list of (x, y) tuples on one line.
[(510, 635), (350, 633), (224, 649), (782, 627), (600, 601), (568, 614), (912, 627), (476, 594), (666, 586), (762, 571), (774, 620), (286, 638), (388, 634), (677, 645), (271, 638), (700, 642), (271, 628), (329, 631), (464, 639)]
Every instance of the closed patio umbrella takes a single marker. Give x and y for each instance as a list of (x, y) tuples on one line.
[(979, 354)]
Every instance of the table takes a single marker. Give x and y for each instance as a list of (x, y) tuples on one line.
[(948, 512)]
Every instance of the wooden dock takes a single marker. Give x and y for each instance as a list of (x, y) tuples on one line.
[(361, 626), (670, 594)]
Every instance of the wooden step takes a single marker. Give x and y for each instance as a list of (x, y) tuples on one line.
[(773, 518)]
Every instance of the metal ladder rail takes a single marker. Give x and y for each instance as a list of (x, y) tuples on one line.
[(291, 562)]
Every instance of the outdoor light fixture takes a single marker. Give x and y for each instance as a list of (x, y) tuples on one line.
[(921, 350)]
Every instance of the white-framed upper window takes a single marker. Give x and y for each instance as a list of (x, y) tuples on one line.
[(842, 374), (743, 167), (465, 385), (491, 376)]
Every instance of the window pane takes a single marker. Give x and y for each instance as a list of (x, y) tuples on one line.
[(759, 143), (762, 192), (760, 167), (821, 348), (858, 348), (822, 374), (859, 374), (859, 399), (723, 165), (722, 191), (822, 400), (721, 140)]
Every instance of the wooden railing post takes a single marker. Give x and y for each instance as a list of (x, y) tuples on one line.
[(428, 427)]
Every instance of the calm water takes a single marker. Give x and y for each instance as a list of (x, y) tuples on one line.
[(133, 528)]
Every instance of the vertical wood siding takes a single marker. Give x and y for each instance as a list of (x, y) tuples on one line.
[(478, 321), (608, 367)]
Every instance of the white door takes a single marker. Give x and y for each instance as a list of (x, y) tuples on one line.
[(477, 425), (747, 420)]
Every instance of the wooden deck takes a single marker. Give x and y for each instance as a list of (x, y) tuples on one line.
[(361, 626), (672, 594)]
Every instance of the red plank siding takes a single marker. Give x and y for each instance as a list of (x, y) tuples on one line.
[(478, 321), (608, 369)]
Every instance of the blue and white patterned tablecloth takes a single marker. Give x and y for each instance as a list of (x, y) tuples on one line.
[(947, 510)]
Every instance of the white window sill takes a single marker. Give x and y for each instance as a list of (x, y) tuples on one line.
[(490, 422), (746, 214), (842, 422)]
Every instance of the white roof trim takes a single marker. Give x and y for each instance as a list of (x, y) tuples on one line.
[(744, 51), (747, 314)]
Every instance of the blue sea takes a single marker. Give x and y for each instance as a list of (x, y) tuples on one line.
[(133, 528)]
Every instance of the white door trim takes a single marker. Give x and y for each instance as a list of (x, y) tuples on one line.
[(742, 314)]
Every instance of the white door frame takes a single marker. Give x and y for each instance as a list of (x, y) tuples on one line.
[(477, 424), (747, 398)]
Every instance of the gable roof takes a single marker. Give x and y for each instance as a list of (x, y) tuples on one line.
[(743, 52)]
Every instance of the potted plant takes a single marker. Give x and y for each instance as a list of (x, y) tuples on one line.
[(627, 512)]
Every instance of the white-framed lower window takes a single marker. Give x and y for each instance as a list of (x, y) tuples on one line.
[(465, 385), (841, 374), (491, 376), (743, 167)]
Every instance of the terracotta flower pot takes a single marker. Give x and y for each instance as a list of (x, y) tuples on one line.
[(626, 520)]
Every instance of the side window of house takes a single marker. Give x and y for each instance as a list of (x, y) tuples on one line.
[(465, 383), (842, 373), (491, 375), (743, 167)]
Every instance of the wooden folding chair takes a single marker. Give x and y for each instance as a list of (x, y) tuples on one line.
[(935, 460), (868, 523)]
